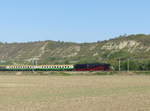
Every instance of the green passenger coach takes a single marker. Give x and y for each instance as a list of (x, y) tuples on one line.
[(39, 67)]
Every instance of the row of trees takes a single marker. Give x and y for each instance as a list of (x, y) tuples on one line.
[(117, 64), (130, 64)]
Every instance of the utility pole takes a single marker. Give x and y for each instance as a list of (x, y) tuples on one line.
[(32, 64), (119, 65), (128, 65)]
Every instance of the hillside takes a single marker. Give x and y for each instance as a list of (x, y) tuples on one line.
[(52, 52)]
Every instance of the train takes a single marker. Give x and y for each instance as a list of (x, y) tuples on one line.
[(76, 67)]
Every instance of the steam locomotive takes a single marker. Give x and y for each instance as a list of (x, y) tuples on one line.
[(76, 67)]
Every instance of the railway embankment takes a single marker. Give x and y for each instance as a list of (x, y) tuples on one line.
[(72, 73)]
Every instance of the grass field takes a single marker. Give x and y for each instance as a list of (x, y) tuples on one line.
[(75, 93)]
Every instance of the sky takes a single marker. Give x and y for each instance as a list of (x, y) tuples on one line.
[(72, 20)]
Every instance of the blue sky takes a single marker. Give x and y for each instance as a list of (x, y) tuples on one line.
[(72, 20)]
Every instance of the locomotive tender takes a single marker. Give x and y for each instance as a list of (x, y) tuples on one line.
[(77, 67)]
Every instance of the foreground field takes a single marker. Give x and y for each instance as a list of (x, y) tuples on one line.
[(75, 93)]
